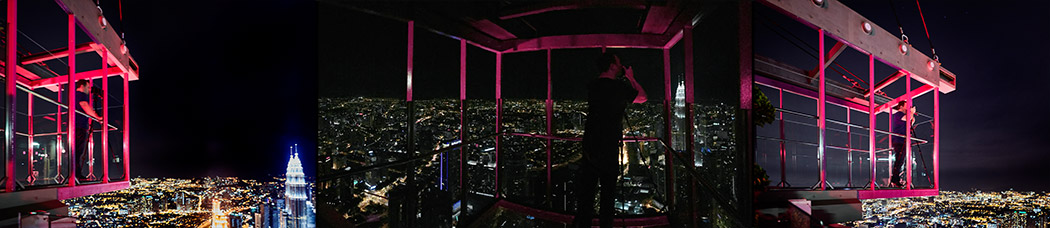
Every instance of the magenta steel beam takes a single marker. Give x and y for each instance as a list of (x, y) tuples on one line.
[(411, 29), (668, 133), (480, 46), (550, 130), (907, 133), (71, 101), (821, 115), (93, 24), (746, 59), (659, 18), (492, 29), (936, 141), (871, 120), (63, 79), (793, 89), (11, 56), (105, 122), (57, 53), (674, 40), (65, 193), (462, 110), (26, 74), (588, 41), (829, 57), (499, 113), (913, 93), (895, 193), (886, 82), (124, 129)]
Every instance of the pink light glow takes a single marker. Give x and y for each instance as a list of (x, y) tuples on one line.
[(411, 28), (71, 91), (12, 61), (820, 111), (871, 118), (105, 121)]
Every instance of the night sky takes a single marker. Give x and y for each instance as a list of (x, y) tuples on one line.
[(226, 87), (994, 130)]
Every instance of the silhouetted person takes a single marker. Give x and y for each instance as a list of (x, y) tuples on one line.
[(899, 126), (607, 97), (82, 126)]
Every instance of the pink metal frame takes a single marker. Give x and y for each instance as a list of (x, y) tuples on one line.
[(569, 42), (872, 110), (71, 103), (12, 59), (76, 11)]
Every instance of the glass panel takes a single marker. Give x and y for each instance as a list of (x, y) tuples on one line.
[(481, 156), (523, 168)]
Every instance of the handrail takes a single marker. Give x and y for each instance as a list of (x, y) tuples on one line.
[(49, 100), (849, 124), (704, 182)]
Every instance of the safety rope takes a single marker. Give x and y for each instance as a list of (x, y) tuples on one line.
[(934, 51), (901, 27)]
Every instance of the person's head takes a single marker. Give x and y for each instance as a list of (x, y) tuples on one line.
[(609, 62), (82, 83), (901, 106)]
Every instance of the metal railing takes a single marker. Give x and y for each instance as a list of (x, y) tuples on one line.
[(678, 161)]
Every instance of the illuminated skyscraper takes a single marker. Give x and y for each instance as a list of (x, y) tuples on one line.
[(218, 219), (295, 194)]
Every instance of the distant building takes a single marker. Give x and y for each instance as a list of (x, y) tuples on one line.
[(298, 209), (218, 218)]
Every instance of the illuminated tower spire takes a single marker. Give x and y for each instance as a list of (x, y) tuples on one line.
[(295, 191)]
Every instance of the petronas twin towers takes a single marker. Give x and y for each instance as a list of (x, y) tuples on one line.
[(299, 208)]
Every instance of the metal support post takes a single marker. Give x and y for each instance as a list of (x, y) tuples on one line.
[(9, 73), (907, 132), (499, 115), (31, 177), (124, 129), (550, 131), (462, 117), (936, 140), (820, 114), (871, 119), (105, 119), (71, 102)]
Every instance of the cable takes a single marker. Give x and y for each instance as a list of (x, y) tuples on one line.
[(901, 27), (811, 48), (41, 47), (935, 58)]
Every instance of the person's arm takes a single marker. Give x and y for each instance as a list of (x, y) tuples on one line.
[(90, 111), (641, 98), (911, 115)]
